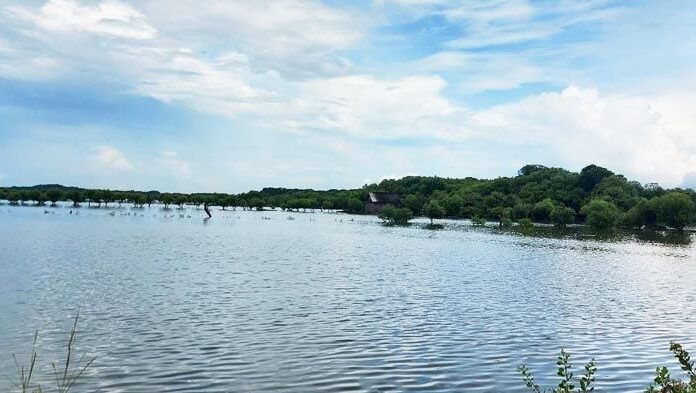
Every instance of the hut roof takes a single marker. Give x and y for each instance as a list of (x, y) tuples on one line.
[(384, 197)]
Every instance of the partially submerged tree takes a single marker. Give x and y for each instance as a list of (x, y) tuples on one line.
[(433, 210), (601, 214)]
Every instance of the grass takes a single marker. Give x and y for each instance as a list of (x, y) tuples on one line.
[(65, 373)]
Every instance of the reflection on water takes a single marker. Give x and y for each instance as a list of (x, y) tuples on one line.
[(325, 302)]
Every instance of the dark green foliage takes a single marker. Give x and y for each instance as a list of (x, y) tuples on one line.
[(433, 210), (541, 212), (540, 193), (525, 223), (478, 221), (395, 216), (562, 216), (642, 214), (675, 210), (592, 175), (506, 217), (601, 214)]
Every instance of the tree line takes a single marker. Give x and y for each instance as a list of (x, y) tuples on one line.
[(595, 195)]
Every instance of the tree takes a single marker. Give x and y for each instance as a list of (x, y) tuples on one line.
[(675, 210), (529, 169), (166, 200), (601, 214), (355, 206), (327, 205), (13, 197), (433, 210), (107, 196), (506, 217), (54, 196), (642, 214), (562, 216), (521, 210), (76, 197), (592, 175), (415, 203), (541, 212), (395, 216)]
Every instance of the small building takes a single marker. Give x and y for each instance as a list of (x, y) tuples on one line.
[(376, 201)]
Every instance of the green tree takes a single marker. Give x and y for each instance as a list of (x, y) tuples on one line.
[(54, 196), (675, 210), (521, 210), (395, 216), (415, 203), (562, 216), (592, 175), (506, 217), (642, 214), (601, 214), (433, 210), (166, 200), (355, 206), (327, 205), (76, 197), (107, 196), (541, 212)]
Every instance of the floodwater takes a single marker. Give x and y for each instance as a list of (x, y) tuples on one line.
[(257, 302)]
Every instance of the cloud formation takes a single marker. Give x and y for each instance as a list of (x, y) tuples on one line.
[(110, 158), (431, 86)]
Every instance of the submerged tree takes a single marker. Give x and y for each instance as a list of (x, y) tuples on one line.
[(601, 214), (395, 216), (562, 216), (433, 210)]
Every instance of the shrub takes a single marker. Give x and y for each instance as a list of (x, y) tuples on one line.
[(675, 210), (663, 382), (478, 221), (525, 223), (601, 214), (506, 217), (433, 210), (541, 212), (562, 216), (395, 216)]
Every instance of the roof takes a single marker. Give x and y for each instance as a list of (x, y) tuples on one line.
[(384, 197)]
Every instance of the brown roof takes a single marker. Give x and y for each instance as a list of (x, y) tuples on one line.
[(385, 197)]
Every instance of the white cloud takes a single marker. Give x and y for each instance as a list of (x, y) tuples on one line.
[(370, 107), (170, 162), (110, 18), (111, 158), (632, 134)]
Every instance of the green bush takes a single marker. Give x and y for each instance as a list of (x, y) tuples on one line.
[(675, 210), (478, 221), (395, 216), (433, 210), (525, 223), (601, 214), (562, 216)]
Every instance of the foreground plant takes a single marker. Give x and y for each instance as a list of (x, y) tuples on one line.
[(66, 374), (566, 384), (663, 382)]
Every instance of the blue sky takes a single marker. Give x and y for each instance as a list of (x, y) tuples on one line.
[(236, 95)]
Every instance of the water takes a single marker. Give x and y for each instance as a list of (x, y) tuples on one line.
[(329, 303)]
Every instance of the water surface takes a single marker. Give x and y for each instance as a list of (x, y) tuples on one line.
[(253, 301)]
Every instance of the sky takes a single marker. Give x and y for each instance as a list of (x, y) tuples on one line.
[(228, 96)]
